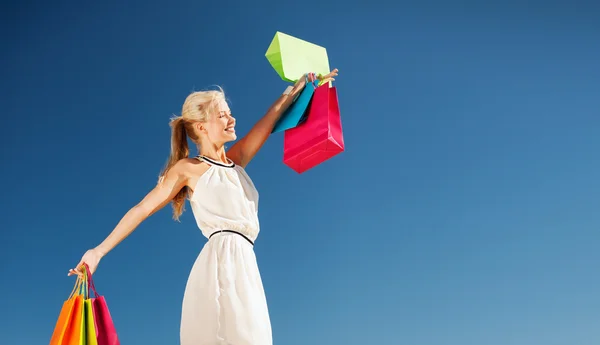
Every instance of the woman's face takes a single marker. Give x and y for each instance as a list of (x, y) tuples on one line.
[(220, 126)]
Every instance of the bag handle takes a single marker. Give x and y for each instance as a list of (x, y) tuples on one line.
[(80, 287), (76, 287), (86, 292), (90, 280), (314, 83)]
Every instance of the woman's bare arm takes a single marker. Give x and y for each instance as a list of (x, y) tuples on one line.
[(157, 198), (246, 148)]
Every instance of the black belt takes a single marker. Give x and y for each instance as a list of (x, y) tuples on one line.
[(235, 232)]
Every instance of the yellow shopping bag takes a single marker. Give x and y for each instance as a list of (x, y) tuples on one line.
[(89, 324)]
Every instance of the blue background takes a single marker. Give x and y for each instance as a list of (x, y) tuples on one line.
[(464, 210)]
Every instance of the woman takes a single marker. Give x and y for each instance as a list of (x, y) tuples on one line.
[(224, 300)]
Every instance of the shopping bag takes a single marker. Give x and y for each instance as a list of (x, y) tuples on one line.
[(104, 328), (69, 326), (291, 57), (295, 114), (320, 137), (90, 323), (88, 313)]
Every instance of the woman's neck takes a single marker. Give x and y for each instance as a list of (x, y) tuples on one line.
[(215, 153)]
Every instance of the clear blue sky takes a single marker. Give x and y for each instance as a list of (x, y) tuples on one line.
[(463, 212)]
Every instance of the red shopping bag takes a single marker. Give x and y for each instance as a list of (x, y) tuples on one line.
[(69, 328), (106, 333), (320, 137)]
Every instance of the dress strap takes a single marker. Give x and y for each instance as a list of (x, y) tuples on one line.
[(214, 162)]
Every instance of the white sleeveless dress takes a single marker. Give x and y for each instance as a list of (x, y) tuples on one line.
[(224, 301)]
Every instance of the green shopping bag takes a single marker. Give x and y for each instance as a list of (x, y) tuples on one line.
[(292, 57)]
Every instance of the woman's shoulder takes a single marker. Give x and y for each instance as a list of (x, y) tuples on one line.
[(191, 163), (187, 168), (191, 168)]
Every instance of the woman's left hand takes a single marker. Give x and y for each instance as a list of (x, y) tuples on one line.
[(312, 77), (326, 78)]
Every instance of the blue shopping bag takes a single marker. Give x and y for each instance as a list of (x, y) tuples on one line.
[(297, 112)]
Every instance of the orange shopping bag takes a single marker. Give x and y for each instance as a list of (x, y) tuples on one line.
[(69, 329)]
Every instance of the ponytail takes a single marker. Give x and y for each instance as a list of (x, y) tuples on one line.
[(179, 150), (196, 108)]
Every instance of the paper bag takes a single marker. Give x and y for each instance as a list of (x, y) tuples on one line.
[(295, 114), (320, 137), (69, 328), (292, 57), (106, 333)]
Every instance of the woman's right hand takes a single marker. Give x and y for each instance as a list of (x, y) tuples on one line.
[(92, 258)]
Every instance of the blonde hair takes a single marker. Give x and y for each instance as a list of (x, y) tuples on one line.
[(197, 107)]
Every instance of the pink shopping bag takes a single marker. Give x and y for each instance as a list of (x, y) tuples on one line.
[(320, 137), (106, 333)]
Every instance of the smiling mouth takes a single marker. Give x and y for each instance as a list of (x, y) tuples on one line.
[(230, 130)]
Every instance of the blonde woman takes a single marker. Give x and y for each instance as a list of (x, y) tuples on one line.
[(224, 300)]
